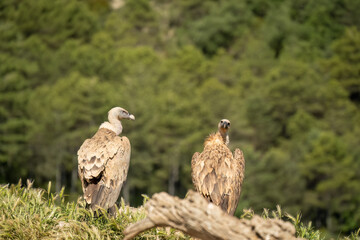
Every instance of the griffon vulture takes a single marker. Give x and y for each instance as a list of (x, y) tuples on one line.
[(217, 174), (103, 162)]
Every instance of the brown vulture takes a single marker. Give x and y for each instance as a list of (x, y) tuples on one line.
[(217, 174), (103, 162)]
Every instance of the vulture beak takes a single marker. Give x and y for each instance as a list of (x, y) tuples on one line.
[(131, 117)]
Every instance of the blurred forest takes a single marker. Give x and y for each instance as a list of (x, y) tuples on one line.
[(285, 72)]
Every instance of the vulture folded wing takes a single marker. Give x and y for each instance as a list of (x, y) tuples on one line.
[(202, 173), (217, 175), (97, 158), (114, 175), (240, 160), (238, 164), (95, 152), (194, 164), (225, 188)]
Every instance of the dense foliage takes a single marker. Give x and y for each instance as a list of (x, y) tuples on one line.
[(285, 72)]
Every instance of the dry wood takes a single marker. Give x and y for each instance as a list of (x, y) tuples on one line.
[(198, 218)]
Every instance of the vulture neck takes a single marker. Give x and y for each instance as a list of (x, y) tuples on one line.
[(224, 136), (114, 124)]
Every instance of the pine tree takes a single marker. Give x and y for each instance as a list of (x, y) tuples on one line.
[(344, 66)]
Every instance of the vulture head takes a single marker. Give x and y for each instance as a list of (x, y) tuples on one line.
[(120, 113), (224, 126), (115, 116)]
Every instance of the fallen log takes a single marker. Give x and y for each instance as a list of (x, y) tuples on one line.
[(198, 218)]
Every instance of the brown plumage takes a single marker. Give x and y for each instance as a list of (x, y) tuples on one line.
[(218, 174), (103, 162)]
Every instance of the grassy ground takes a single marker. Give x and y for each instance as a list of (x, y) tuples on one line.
[(30, 213)]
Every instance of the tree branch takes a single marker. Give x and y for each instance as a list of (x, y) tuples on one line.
[(198, 218)]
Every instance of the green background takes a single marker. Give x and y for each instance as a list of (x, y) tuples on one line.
[(285, 72)]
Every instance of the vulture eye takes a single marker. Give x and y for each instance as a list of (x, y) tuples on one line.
[(228, 124), (221, 121)]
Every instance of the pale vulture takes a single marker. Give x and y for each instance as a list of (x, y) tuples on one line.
[(103, 162), (217, 174)]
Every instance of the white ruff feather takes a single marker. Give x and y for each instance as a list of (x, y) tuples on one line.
[(107, 125)]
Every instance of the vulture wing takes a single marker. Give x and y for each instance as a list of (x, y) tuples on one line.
[(103, 165), (239, 167), (218, 176), (194, 164)]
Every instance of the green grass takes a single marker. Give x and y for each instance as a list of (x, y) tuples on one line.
[(302, 230), (31, 213)]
